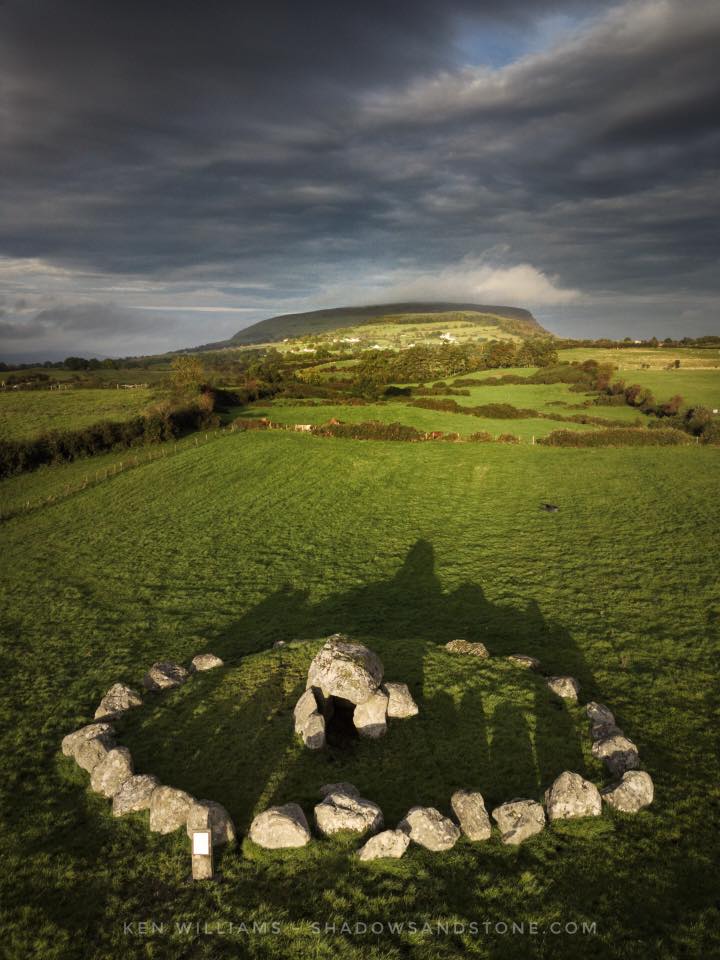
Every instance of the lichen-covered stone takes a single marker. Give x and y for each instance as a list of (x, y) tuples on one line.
[(169, 809), (118, 699), (427, 827), (618, 753), (70, 743), (632, 793), (280, 827), (469, 808), (525, 661), (340, 811), (465, 646), (134, 794), (599, 713), (207, 814), (205, 661), (518, 820), (370, 716), (400, 702), (345, 669), (109, 775), (164, 674), (388, 844), (571, 797), (566, 687)]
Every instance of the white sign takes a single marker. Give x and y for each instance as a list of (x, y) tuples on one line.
[(201, 843)]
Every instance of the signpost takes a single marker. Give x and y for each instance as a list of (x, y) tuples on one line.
[(202, 855)]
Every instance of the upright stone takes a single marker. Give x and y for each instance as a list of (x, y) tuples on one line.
[(518, 820), (370, 716), (400, 701), (571, 797), (169, 809), (109, 775), (134, 794), (469, 808), (565, 687), (209, 815)]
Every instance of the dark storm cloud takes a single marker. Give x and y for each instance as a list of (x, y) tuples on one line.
[(343, 150)]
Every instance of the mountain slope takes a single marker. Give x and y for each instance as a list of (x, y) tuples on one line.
[(512, 320)]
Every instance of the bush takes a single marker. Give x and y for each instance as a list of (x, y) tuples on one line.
[(617, 437), (508, 438), (482, 436), (369, 430)]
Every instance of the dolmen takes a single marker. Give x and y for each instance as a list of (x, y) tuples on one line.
[(347, 675)]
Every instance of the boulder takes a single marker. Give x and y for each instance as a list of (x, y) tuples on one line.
[(278, 644), (427, 827), (518, 820), (345, 669), (90, 753), (169, 809), (70, 743), (304, 709), (118, 699), (134, 794), (400, 701), (565, 687), (523, 660), (464, 646), (601, 731), (469, 808), (599, 713), (370, 716), (280, 827), (347, 788), (340, 811), (571, 797), (163, 675), (632, 793), (618, 753), (313, 732), (389, 843), (109, 775), (207, 814), (205, 661)]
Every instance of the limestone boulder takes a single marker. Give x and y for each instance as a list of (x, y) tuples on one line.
[(469, 808), (169, 809), (601, 731), (109, 775), (93, 731), (400, 702), (571, 797), (385, 845), (279, 827), (205, 661), (345, 669), (599, 713), (313, 732), (617, 753), (118, 699), (518, 820), (304, 709), (90, 753), (134, 794), (164, 674), (347, 788), (209, 815), (566, 687), (370, 716), (465, 646), (523, 660), (427, 827), (340, 811), (632, 793)]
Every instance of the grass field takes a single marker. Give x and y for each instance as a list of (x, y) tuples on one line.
[(265, 536), (421, 419), (656, 358), (26, 413), (697, 387)]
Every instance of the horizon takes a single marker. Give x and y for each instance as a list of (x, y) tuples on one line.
[(168, 182)]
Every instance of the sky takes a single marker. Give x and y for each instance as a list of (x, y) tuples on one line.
[(171, 172)]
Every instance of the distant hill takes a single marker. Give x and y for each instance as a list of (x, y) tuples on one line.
[(512, 320)]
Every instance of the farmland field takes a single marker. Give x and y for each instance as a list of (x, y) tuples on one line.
[(656, 358), (257, 537), (26, 413)]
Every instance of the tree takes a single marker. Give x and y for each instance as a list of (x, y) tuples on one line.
[(188, 373)]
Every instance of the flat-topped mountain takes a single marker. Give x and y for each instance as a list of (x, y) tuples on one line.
[(513, 321)]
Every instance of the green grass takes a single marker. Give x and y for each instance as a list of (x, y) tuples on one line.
[(634, 358), (696, 387), (258, 537), (422, 419), (26, 413)]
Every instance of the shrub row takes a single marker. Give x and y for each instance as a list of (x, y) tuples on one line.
[(369, 430), (56, 446), (619, 437)]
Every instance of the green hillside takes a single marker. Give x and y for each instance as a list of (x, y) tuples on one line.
[(509, 320)]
